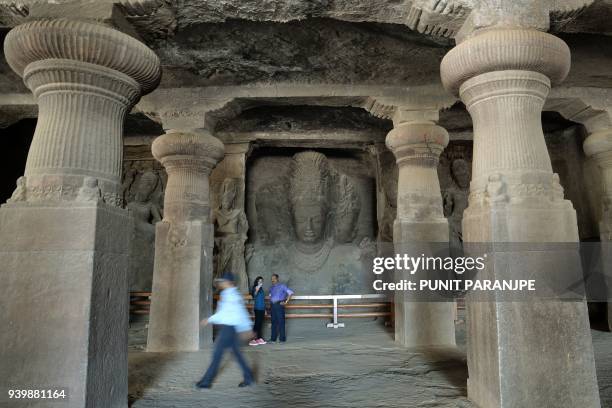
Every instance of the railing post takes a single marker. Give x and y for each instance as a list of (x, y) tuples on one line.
[(335, 323)]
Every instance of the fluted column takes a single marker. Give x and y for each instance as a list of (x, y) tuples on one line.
[(65, 236), (417, 144), (503, 76), (184, 240), (85, 77)]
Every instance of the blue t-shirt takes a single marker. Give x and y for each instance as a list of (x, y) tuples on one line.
[(260, 299)]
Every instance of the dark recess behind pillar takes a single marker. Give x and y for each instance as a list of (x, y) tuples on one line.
[(14, 144)]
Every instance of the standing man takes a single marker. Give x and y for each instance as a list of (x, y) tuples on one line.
[(280, 295), (235, 322)]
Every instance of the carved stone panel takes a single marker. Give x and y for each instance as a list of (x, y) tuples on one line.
[(312, 218), (143, 192), (454, 172)]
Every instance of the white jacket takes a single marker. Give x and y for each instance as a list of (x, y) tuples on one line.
[(231, 311)]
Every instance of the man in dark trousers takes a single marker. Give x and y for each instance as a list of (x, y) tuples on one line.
[(280, 295), (235, 322)]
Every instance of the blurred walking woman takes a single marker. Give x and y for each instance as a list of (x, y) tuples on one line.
[(259, 307)]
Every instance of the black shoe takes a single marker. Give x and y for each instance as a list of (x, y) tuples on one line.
[(200, 385), (245, 384)]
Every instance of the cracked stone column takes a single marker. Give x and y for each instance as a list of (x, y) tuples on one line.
[(184, 240), (520, 354), (598, 146), (417, 142), (64, 233)]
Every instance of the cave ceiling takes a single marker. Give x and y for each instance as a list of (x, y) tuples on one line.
[(388, 43)]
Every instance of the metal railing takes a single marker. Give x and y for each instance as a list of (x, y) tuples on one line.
[(335, 306), (140, 303)]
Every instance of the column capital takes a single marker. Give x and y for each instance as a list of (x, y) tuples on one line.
[(419, 142), (505, 49), (189, 159), (85, 77), (181, 149), (86, 42)]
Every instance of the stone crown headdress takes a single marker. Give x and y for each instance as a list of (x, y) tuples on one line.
[(309, 179)]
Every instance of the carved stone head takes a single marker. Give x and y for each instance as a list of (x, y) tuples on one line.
[(272, 213), (145, 186), (309, 195), (460, 170), (90, 182)]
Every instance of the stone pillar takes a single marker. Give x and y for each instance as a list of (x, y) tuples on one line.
[(416, 141), (182, 274), (520, 354), (598, 146), (64, 235)]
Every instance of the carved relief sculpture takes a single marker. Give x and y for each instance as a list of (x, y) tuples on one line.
[(456, 201), (231, 228), (20, 192), (307, 229), (309, 196), (90, 191), (146, 213), (274, 220), (143, 209), (347, 210)]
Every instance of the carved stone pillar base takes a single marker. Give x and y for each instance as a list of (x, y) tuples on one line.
[(182, 287), (549, 336), (64, 301)]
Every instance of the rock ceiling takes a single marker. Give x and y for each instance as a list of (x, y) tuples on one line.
[(392, 43)]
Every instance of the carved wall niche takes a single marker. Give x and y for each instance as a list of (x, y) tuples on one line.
[(312, 219)]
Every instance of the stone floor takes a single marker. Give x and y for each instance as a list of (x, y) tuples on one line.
[(319, 367)]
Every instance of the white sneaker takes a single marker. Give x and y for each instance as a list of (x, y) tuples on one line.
[(253, 343)]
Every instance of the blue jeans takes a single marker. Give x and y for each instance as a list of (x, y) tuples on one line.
[(278, 321), (228, 338)]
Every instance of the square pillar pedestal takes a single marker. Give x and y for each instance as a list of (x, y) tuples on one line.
[(182, 287), (65, 302)]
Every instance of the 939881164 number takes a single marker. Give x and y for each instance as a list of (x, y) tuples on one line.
[(37, 394)]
